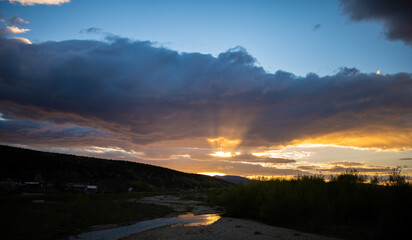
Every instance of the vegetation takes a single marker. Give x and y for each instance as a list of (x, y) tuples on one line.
[(110, 175), (53, 212), (346, 206), (59, 215)]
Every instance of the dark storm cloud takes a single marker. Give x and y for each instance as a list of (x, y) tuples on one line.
[(394, 15), (44, 132), (146, 94)]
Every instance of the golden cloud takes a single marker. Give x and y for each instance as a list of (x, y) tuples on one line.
[(382, 139)]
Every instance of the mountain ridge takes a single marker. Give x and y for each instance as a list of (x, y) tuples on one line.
[(59, 169)]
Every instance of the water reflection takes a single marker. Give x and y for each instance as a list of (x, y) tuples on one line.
[(187, 220), (191, 220)]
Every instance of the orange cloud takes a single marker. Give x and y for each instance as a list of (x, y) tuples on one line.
[(224, 142), (382, 138)]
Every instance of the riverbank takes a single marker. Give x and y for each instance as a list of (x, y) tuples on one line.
[(182, 203), (199, 221), (188, 219), (225, 228), (60, 215), (187, 210)]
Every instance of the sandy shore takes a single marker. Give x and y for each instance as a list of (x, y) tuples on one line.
[(183, 227), (180, 205), (225, 228)]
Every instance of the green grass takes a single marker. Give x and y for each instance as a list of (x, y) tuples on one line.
[(346, 206), (64, 214)]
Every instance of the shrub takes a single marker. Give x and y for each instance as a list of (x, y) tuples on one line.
[(350, 176), (375, 180), (396, 179), (345, 205)]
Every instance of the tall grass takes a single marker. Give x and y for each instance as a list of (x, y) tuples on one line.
[(345, 206)]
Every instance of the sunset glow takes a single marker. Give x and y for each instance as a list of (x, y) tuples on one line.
[(233, 114), (379, 138), (229, 94), (221, 142), (221, 154), (212, 174), (284, 153)]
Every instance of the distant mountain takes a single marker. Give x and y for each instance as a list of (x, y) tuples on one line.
[(57, 169), (234, 179)]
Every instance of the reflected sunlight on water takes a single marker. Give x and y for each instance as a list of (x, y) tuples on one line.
[(186, 220), (198, 220)]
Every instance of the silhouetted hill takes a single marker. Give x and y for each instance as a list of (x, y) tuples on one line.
[(234, 179), (113, 175)]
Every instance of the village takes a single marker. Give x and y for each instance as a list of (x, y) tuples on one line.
[(9, 186)]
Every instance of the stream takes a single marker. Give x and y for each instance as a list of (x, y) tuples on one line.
[(187, 219)]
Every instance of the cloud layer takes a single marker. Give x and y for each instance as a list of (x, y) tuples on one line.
[(13, 26), (34, 2), (394, 15), (136, 92)]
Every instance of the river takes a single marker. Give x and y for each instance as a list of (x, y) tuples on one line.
[(187, 219)]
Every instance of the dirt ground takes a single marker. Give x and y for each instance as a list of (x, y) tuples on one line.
[(180, 205), (212, 226), (225, 228)]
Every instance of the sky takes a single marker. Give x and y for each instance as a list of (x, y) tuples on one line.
[(248, 88)]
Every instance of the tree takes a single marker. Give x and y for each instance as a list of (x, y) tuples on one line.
[(396, 179)]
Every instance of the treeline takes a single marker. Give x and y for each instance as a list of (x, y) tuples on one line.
[(345, 206), (56, 169)]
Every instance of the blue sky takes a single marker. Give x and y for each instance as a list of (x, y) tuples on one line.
[(164, 82), (279, 34)]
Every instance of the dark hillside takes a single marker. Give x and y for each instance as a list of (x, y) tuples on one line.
[(24, 165), (234, 179)]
